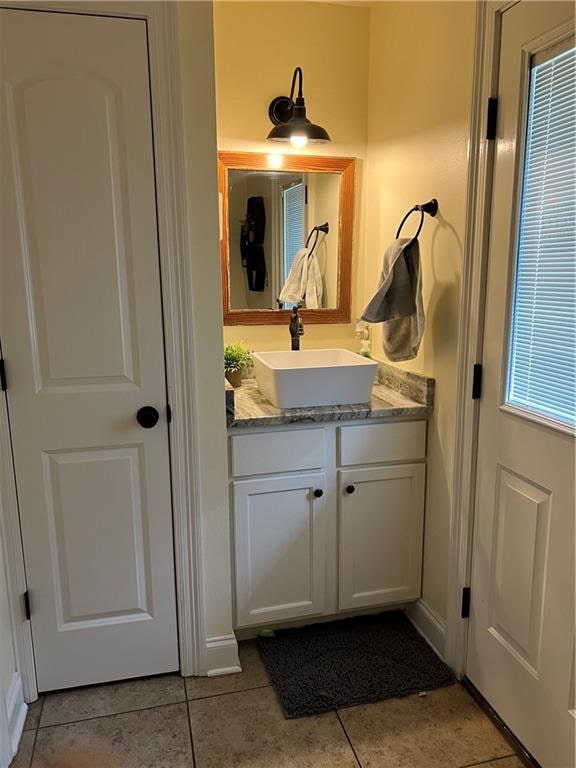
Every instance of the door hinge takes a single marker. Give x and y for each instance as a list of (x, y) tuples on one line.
[(27, 611), (3, 382), (168, 414), (477, 381), (492, 118), (305, 194), (465, 610)]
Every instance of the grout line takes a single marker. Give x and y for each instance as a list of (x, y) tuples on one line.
[(348, 738), (191, 736), (36, 732), (112, 714), (491, 760), (229, 693)]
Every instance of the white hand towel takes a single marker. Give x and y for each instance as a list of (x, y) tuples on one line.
[(304, 282), (295, 286), (397, 303)]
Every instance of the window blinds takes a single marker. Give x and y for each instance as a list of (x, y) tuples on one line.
[(542, 361), (293, 210)]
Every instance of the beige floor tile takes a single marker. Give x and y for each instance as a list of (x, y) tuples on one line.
[(151, 738), (84, 703), (444, 729), (248, 730), (253, 675), (33, 715), (24, 754)]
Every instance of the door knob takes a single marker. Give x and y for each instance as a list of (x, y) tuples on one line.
[(318, 493), (350, 488), (147, 417)]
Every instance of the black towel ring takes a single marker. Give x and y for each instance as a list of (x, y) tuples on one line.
[(315, 231), (431, 208)]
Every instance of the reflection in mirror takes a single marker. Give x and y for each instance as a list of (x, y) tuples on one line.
[(270, 214), (286, 237)]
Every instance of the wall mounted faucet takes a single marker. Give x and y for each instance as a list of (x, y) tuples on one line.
[(296, 328)]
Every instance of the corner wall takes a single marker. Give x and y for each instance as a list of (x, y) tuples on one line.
[(420, 88), (197, 79), (257, 47)]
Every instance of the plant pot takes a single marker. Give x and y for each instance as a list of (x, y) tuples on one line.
[(235, 378)]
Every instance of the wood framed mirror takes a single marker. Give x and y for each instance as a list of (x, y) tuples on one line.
[(270, 205)]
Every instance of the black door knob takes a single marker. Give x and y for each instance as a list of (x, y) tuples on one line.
[(350, 488), (147, 417), (318, 493)]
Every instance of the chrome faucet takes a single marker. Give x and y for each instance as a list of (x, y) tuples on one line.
[(296, 327)]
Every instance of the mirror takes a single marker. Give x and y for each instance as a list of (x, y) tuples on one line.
[(286, 237)]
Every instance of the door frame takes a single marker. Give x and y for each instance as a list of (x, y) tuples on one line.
[(179, 335), (481, 155)]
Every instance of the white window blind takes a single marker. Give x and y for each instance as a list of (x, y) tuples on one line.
[(542, 358), (293, 214)]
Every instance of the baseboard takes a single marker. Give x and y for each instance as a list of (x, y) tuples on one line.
[(16, 710), (222, 656), (429, 624)]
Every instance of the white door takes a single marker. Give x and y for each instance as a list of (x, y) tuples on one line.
[(81, 330), (381, 528), (280, 541), (521, 636)]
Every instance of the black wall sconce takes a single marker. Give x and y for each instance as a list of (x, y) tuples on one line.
[(290, 121)]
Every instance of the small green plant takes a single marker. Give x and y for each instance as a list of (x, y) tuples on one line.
[(236, 357)]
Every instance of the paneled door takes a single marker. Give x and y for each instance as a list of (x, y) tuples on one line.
[(521, 638), (81, 331)]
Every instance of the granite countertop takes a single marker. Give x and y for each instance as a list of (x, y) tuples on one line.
[(396, 394)]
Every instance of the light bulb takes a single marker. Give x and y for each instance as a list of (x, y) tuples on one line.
[(298, 140)]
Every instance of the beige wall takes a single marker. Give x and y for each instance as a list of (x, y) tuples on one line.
[(421, 57), (257, 46)]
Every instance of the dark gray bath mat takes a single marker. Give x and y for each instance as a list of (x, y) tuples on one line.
[(323, 667)]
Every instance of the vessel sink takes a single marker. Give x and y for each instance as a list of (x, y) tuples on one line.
[(314, 377)]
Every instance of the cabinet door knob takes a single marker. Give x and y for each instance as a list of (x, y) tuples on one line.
[(350, 488), (318, 492)]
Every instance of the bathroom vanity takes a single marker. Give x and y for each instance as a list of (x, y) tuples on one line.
[(327, 502)]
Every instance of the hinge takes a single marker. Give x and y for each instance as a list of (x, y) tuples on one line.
[(305, 194), (492, 119), (465, 611), (27, 610), (3, 382), (477, 382), (168, 414)]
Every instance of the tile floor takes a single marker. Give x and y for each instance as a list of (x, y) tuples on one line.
[(236, 722)]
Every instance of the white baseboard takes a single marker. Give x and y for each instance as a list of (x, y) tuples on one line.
[(222, 656), (16, 711), (429, 624)]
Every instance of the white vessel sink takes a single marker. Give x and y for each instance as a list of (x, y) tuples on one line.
[(314, 377)]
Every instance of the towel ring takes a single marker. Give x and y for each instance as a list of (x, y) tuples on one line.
[(315, 231), (431, 208)]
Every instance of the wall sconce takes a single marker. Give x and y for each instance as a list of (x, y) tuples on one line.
[(290, 121)]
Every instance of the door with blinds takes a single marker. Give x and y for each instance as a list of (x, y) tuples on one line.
[(521, 638)]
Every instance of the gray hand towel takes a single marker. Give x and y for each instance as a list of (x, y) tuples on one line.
[(397, 303)]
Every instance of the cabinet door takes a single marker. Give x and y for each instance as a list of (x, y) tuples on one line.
[(381, 527), (279, 527)]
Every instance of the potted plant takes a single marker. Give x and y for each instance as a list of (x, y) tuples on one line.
[(236, 357)]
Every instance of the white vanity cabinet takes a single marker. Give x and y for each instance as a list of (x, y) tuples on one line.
[(280, 547), (380, 543), (326, 518)]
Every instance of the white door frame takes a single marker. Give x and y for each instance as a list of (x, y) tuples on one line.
[(179, 334), (473, 294)]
